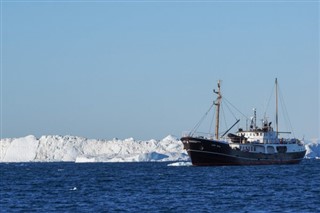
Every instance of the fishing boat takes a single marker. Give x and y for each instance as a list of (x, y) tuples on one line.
[(255, 145)]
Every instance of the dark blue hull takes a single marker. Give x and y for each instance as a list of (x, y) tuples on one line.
[(204, 152)]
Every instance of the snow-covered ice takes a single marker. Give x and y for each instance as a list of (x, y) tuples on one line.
[(53, 148), (19, 150)]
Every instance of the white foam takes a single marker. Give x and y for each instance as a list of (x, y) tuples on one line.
[(180, 164)]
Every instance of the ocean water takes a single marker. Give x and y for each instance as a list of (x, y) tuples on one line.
[(157, 187)]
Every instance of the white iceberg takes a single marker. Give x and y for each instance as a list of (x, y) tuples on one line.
[(313, 149), (53, 148)]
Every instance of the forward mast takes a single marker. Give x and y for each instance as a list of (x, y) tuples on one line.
[(217, 103)]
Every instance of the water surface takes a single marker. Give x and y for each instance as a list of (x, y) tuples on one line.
[(156, 187)]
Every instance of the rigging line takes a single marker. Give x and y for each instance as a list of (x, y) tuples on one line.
[(235, 108), (284, 108), (284, 116), (272, 92), (231, 111), (201, 120), (211, 129), (224, 117)]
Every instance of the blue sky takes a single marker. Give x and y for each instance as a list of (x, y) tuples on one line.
[(108, 69)]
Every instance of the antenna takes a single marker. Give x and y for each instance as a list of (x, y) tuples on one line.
[(255, 118)]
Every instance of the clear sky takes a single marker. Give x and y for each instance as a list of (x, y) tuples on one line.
[(146, 69)]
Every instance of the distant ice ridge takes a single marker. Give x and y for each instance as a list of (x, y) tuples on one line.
[(54, 148)]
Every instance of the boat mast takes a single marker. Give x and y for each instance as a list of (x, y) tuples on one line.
[(217, 103), (277, 106)]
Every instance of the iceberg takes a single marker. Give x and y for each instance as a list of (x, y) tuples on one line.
[(313, 149), (55, 148)]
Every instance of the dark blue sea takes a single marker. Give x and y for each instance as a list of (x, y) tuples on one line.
[(157, 187)]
